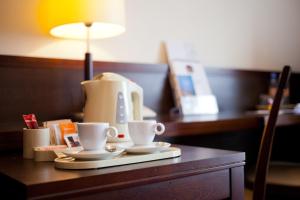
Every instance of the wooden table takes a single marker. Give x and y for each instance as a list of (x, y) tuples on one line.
[(200, 173)]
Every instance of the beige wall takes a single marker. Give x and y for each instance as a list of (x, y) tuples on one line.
[(252, 34)]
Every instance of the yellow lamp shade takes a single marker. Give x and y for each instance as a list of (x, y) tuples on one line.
[(67, 18)]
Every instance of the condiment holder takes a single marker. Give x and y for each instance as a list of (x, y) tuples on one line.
[(34, 138)]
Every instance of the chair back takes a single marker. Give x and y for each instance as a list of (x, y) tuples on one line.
[(262, 165)]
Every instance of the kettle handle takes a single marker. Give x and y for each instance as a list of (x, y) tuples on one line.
[(137, 101)]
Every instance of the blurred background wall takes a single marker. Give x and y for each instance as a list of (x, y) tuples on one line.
[(246, 34)]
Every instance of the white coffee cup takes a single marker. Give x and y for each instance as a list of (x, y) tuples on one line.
[(143, 132), (34, 138), (93, 135)]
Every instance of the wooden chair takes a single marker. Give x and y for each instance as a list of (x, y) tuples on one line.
[(282, 180)]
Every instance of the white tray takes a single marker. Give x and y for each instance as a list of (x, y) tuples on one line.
[(124, 159)]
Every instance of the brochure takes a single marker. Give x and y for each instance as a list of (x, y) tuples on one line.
[(189, 82)]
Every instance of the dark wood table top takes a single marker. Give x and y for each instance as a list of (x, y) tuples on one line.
[(41, 178)]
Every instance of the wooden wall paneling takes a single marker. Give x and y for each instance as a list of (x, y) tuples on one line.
[(11, 141), (294, 84), (51, 89), (237, 90)]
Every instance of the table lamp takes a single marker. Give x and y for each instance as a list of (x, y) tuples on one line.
[(84, 19)]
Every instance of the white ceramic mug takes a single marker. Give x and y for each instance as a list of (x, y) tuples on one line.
[(93, 135), (143, 132), (34, 138)]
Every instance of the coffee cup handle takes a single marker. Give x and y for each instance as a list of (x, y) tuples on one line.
[(162, 128), (112, 132)]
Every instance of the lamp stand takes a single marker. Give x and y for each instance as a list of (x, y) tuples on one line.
[(88, 60), (88, 66)]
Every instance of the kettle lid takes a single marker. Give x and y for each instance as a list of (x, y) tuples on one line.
[(110, 76)]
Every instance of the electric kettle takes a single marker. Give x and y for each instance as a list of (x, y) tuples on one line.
[(112, 98)]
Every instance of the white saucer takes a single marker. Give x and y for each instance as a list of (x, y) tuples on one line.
[(154, 147), (94, 155)]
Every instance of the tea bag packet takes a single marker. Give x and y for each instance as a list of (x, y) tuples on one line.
[(68, 129), (58, 128), (55, 134), (72, 140)]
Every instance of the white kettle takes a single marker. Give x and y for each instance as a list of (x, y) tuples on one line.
[(112, 98)]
